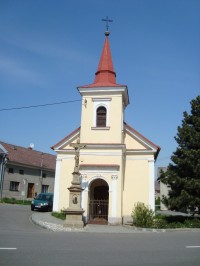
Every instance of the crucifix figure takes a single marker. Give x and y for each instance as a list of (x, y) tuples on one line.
[(74, 212), (77, 147), (107, 20)]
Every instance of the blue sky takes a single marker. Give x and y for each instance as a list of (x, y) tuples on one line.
[(48, 48)]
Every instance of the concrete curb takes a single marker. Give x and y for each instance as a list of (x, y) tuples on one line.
[(56, 225), (60, 228), (52, 226), (164, 230)]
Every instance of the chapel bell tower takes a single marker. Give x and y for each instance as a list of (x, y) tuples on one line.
[(104, 102)]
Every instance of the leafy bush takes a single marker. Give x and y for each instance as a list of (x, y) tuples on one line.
[(59, 215), (15, 201), (175, 225), (157, 204), (162, 221), (192, 223), (142, 215), (176, 218)]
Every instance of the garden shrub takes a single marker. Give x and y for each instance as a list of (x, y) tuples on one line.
[(59, 215), (192, 223), (15, 201), (163, 221), (142, 215), (160, 223), (157, 204)]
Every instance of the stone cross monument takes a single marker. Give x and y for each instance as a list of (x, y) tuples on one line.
[(74, 212), (77, 146)]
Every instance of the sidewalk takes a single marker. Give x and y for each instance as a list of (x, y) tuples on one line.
[(46, 220)]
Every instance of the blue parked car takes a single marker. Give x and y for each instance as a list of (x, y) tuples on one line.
[(43, 202)]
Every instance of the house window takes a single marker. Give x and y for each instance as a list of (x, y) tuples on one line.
[(10, 170), (45, 188), (21, 172), (14, 186), (101, 117), (44, 175)]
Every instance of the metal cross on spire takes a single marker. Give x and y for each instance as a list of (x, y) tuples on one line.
[(107, 20)]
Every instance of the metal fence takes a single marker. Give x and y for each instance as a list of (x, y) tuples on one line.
[(98, 209)]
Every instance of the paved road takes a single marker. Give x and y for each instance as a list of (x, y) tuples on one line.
[(36, 246)]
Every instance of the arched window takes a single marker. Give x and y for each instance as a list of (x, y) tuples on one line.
[(101, 117)]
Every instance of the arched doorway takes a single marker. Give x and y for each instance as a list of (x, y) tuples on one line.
[(98, 202)]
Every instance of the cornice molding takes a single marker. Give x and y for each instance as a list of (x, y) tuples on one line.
[(138, 152), (106, 91)]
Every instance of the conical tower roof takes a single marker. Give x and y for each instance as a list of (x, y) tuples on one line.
[(105, 75)]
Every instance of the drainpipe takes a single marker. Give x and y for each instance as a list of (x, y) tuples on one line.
[(41, 170), (24, 191), (2, 172)]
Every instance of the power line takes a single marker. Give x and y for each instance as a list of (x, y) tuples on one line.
[(36, 106)]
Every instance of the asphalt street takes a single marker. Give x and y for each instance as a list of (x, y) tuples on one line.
[(24, 243)]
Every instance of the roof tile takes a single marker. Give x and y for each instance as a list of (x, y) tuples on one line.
[(29, 157)]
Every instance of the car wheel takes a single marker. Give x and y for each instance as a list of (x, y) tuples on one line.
[(32, 208)]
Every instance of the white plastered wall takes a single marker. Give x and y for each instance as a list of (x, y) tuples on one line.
[(112, 133), (112, 179), (138, 184)]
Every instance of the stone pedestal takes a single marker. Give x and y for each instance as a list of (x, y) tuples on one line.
[(74, 212), (74, 219)]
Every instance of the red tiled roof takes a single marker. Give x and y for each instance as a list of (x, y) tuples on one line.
[(142, 137), (29, 157), (105, 72), (128, 127), (137, 133), (65, 138), (102, 84)]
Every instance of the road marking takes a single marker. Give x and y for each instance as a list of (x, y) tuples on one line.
[(192, 246), (9, 248)]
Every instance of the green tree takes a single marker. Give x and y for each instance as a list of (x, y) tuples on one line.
[(183, 174)]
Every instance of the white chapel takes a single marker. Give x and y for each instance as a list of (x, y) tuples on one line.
[(117, 162)]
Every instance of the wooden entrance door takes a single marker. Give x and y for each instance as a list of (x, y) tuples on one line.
[(30, 191)]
